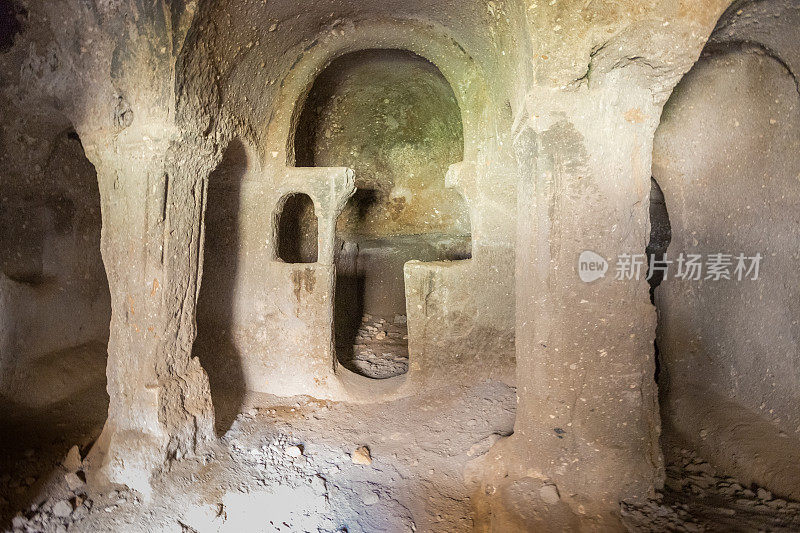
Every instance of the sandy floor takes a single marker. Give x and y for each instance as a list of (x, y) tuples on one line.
[(287, 466), (291, 464)]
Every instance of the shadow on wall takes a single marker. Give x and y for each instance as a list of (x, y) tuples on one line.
[(215, 345), (348, 300), (656, 251)]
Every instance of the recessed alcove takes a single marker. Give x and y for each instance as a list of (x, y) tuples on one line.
[(392, 117), (55, 308)]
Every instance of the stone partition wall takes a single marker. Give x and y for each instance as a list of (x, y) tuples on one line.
[(271, 330), (281, 313)]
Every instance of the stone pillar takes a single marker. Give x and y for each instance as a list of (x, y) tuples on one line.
[(160, 404), (113, 71), (587, 429), (587, 421)]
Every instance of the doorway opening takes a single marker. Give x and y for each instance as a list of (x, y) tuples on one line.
[(392, 117)]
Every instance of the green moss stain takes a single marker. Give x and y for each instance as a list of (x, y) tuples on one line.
[(392, 117)]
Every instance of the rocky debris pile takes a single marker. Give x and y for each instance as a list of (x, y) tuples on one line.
[(656, 516), (67, 511), (281, 457), (698, 498), (56, 515), (67, 504), (381, 348), (692, 475)]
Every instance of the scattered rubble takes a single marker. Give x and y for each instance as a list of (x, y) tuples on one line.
[(62, 509), (698, 498), (381, 348), (287, 466), (55, 515), (72, 462), (362, 456), (293, 451)]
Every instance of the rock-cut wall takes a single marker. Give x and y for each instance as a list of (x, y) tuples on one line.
[(727, 157)]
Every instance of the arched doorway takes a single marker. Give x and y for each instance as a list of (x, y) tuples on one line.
[(725, 155), (392, 117)]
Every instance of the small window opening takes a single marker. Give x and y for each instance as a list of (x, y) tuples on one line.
[(297, 230)]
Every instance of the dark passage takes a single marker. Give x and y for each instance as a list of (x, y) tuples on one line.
[(660, 237)]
